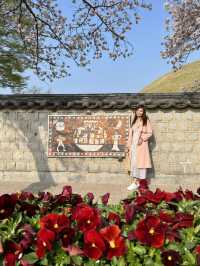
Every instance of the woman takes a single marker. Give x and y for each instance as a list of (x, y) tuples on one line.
[(137, 146)]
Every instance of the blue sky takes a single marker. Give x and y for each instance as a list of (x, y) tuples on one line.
[(124, 75)]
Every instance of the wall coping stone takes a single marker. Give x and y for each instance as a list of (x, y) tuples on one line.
[(112, 101)]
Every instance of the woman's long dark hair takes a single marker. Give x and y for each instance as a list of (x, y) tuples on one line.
[(144, 116)]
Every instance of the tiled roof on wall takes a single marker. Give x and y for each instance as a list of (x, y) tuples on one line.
[(115, 101)]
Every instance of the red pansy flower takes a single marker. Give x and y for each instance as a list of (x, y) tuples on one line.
[(105, 198), (7, 205), (67, 192), (115, 242), (55, 222), (114, 217), (140, 200), (24, 195), (86, 217), (29, 209), (13, 252), (129, 213), (94, 245), (166, 217), (143, 184), (171, 258), (45, 240), (169, 196), (156, 197), (28, 236), (183, 220), (45, 196), (10, 259), (151, 231), (189, 195), (90, 197)]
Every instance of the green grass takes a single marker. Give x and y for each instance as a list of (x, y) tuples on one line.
[(182, 80)]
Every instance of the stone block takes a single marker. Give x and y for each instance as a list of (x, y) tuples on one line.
[(18, 155), (10, 166), (21, 166)]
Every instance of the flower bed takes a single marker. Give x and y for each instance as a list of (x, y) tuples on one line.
[(148, 228)]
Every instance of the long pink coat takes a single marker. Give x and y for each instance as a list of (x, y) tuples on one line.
[(143, 159)]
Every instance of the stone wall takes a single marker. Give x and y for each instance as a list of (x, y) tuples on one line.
[(175, 149)]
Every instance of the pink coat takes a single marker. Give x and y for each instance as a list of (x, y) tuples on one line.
[(143, 159)]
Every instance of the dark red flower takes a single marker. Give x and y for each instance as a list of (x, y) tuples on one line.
[(115, 242), (86, 217), (67, 236), (198, 259), (67, 192), (169, 196), (189, 195), (90, 197), (151, 231), (179, 195), (171, 258), (94, 245), (76, 199), (183, 220), (45, 240), (140, 200), (13, 252), (166, 217), (7, 205), (197, 249), (10, 259), (28, 236), (114, 217), (24, 195), (55, 222), (143, 184), (45, 196), (155, 197), (129, 213), (105, 198), (29, 209)]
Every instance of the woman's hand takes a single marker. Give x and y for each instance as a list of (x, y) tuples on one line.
[(140, 141), (126, 150)]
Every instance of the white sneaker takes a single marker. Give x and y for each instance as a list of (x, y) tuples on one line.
[(133, 186)]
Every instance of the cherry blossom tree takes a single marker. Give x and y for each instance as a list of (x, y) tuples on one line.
[(183, 26), (52, 40)]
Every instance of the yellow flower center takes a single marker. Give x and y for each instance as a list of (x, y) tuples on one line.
[(151, 231), (169, 258), (65, 236), (55, 226), (2, 211), (112, 244), (44, 244), (88, 222), (93, 245)]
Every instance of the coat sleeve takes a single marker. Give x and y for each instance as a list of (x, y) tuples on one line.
[(148, 133), (130, 133)]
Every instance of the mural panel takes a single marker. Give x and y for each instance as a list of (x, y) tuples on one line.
[(87, 135)]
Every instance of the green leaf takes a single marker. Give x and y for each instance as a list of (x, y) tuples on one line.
[(44, 261), (30, 258), (189, 257), (148, 262), (77, 260), (62, 258), (140, 250)]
